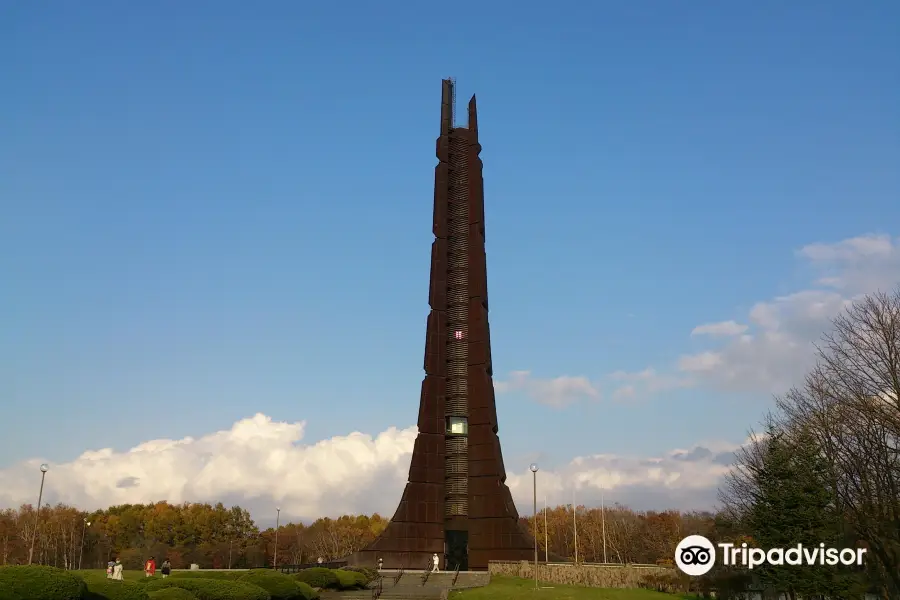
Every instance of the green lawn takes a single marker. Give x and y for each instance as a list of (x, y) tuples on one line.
[(513, 588)]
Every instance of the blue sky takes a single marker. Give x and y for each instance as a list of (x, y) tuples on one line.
[(214, 209)]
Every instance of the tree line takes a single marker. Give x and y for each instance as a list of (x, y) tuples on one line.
[(215, 536), (212, 536)]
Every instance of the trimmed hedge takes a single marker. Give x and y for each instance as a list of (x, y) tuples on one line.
[(279, 585), (46, 583), (109, 589), (319, 577), (212, 589), (220, 575), (100, 587), (264, 570), (350, 580), (172, 594), (307, 590), (7, 593), (369, 573)]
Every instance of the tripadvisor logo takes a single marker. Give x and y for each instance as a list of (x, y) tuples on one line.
[(695, 555)]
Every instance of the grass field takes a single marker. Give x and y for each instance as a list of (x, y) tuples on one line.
[(513, 588)]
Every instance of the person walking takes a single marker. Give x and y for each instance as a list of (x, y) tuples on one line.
[(166, 568), (109, 569), (117, 570), (150, 568), (436, 562)]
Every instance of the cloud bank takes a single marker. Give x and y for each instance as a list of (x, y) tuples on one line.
[(260, 464), (766, 351), (777, 348)]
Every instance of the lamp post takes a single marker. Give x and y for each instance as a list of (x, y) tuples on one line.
[(277, 525), (534, 470), (81, 552), (37, 516)]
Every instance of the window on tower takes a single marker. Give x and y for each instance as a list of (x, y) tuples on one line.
[(457, 426)]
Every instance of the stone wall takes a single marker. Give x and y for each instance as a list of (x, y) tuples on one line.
[(594, 575)]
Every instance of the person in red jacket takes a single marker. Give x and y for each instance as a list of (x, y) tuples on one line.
[(150, 568)]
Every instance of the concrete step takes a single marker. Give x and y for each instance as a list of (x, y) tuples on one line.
[(411, 587)]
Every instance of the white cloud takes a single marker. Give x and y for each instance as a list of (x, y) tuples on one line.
[(645, 383), (721, 328), (779, 349), (260, 463), (704, 361), (685, 479), (625, 392), (257, 462), (851, 249), (557, 392)]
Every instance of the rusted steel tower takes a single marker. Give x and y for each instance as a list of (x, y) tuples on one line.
[(456, 503)]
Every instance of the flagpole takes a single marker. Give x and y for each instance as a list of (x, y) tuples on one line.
[(546, 552), (603, 522), (575, 523)]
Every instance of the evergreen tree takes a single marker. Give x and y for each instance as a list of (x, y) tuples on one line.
[(796, 504)]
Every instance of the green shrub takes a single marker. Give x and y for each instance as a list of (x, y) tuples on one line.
[(279, 586), (242, 574), (307, 592), (220, 575), (7, 593), (109, 589), (172, 594), (46, 583), (368, 572), (319, 577), (350, 580), (212, 589)]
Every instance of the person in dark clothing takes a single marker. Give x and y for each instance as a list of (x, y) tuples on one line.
[(166, 568)]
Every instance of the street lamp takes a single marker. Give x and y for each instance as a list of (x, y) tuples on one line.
[(277, 525), (81, 552), (37, 517), (534, 470)]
